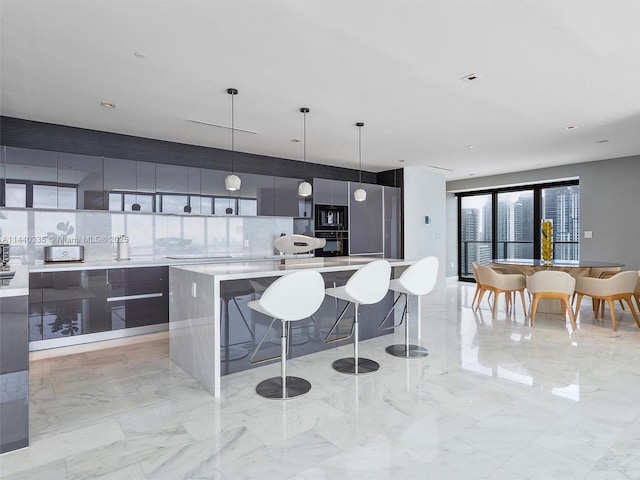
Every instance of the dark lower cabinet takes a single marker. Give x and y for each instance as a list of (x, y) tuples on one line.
[(138, 297), (69, 303), (14, 374)]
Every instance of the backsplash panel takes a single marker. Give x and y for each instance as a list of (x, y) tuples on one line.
[(28, 231)]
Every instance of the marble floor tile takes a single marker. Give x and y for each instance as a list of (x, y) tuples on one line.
[(494, 399)]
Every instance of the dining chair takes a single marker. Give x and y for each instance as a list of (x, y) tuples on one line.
[(636, 293), (618, 287), (474, 268), (554, 285), (497, 283)]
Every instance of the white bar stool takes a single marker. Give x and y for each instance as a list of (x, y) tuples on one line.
[(368, 285), (419, 279), (294, 296)]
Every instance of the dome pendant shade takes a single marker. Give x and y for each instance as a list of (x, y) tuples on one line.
[(360, 195), (304, 189), (232, 182)]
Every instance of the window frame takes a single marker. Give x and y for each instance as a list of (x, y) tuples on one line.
[(537, 212)]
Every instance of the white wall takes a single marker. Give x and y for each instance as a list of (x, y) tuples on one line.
[(425, 195)]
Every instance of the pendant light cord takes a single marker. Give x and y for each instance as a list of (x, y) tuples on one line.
[(360, 152), (304, 142), (233, 131)]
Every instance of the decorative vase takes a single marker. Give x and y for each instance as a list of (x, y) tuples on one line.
[(546, 242)]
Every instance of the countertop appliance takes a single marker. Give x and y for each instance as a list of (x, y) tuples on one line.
[(331, 217), (64, 253), (4, 253), (337, 244)]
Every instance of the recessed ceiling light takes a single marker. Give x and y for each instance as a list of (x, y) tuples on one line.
[(295, 140), (571, 127), (139, 55), (602, 141), (471, 146), (400, 161), (472, 174), (470, 78), (107, 105)]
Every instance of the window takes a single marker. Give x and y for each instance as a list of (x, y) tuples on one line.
[(505, 223), (562, 205), (476, 232), (515, 224), (27, 194), (16, 195)]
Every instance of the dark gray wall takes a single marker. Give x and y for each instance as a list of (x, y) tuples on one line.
[(17, 132), (609, 204)]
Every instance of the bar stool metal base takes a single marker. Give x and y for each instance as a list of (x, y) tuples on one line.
[(272, 388), (348, 365), (412, 351)]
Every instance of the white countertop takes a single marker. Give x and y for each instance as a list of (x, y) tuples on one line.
[(244, 270), (18, 285), (157, 261)]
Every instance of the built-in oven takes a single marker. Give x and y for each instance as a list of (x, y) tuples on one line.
[(331, 217), (337, 244)]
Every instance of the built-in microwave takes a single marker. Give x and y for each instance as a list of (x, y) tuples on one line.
[(331, 217), (337, 244)]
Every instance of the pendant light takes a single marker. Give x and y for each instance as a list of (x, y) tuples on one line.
[(360, 195), (304, 189), (232, 182)]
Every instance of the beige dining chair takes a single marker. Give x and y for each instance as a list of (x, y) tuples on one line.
[(497, 283), (476, 294), (553, 285), (636, 293), (618, 287)]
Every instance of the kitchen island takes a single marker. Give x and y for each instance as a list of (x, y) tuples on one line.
[(207, 342), (14, 359)]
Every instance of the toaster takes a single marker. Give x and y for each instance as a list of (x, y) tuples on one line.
[(4, 253), (64, 253)]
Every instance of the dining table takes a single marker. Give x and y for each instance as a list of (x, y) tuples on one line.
[(575, 268)]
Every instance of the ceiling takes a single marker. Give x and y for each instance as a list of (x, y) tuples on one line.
[(397, 66)]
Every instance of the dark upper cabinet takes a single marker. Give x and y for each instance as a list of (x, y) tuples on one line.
[(198, 207), (171, 179), (3, 174), (45, 179), (84, 173), (119, 175), (172, 188), (286, 199), (266, 196), (366, 221), (32, 179), (330, 192), (128, 183), (146, 177)]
